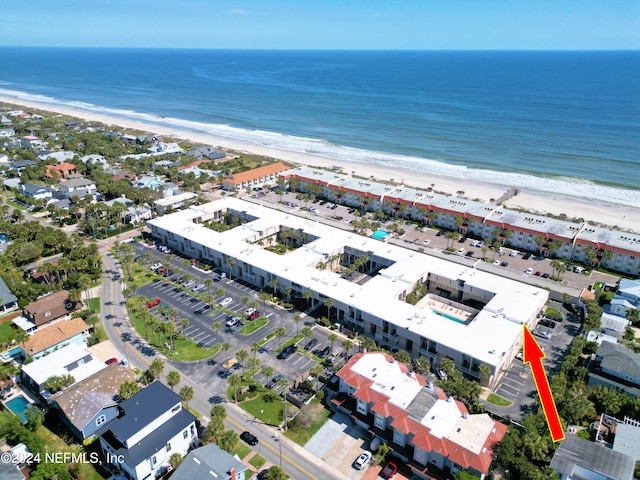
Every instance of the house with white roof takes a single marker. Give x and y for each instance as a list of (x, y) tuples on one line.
[(70, 360), (59, 157), (174, 202), (152, 427), (471, 316), (427, 430)]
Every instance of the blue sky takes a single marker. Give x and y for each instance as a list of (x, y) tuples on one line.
[(329, 24)]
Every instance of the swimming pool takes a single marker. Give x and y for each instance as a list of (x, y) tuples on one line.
[(448, 317), (379, 234), (18, 406)]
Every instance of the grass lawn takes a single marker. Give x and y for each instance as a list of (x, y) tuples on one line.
[(253, 325), (6, 332), (267, 338), (193, 411), (241, 450), (269, 412), (257, 461), (303, 435), (94, 305), (292, 341), (186, 349), (497, 400)]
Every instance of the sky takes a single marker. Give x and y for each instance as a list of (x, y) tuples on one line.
[(325, 24)]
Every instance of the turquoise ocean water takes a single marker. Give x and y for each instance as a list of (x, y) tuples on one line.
[(557, 122)]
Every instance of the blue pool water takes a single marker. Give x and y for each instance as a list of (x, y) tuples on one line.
[(448, 317), (379, 234), (18, 406)]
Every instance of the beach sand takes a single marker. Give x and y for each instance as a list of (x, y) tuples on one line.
[(619, 216)]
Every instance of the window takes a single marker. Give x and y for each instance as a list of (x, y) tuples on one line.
[(185, 434), (168, 446), (100, 420), (154, 460)]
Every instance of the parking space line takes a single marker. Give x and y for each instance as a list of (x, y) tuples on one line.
[(209, 343), (203, 338), (188, 330)]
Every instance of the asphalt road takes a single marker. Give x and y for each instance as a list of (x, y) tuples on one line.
[(296, 461)]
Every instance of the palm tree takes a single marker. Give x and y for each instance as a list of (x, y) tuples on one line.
[(296, 318), (307, 295), (216, 326), (208, 283), (332, 338), (280, 331), (268, 373), (328, 302), (229, 441), (186, 393), (230, 262), (633, 315), (242, 355), (253, 364), (156, 367), (255, 348), (219, 292), (346, 346), (274, 284), (226, 346), (22, 337), (183, 323), (234, 381), (315, 372), (307, 332), (173, 378)]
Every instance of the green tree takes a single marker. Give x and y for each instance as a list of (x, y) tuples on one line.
[(347, 345), (186, 393), (215, 429), (275, 472), (235, 381), (156, 367), (226, 346), (268, 372), (422, 365), (332, 339), (175, 460), (242, 355), (218, 411), (402, 356), (128, 390), (173, 378), (228, 441), (35, 417)]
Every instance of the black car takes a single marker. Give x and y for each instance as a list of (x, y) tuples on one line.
[(324, 352), (545, 322), (262, 475), (249, 438), (287, 351), (274, 381), (311, 343), (504, 264), (526, 256)]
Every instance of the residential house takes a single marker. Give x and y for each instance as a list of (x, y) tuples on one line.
[(267, 174), (69, 360), (4, 159), (577, 458), (61, 171), (93, 402), (433, 434), (96, 159), (616, 367), (161, 148), (174, 202), (54, 336), (7, 133), (78, 187), (121, 200), (153, 426), (20, 165), (60, 157), (10, 470), (154, 183), (7, 299), (207, 153), (31, 142), (210, 461), (52, 307), (135, 214), (197, 171), (37, 192), (627, 438)]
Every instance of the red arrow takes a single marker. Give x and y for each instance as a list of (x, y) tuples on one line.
[(533, 355)]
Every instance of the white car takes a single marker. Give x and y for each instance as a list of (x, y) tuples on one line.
[(232, 322), (479, 244), (460, 251), (528, 271), (513, 253), (426, 242), (225, 301), (188, 283), (496, 262), (249, 311), (363, 460)]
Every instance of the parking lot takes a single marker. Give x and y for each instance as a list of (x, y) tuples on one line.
[(517, 385), (172, 295)]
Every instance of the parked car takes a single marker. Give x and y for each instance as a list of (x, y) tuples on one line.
[(111, 361), (232, 322), (504, 264), (168, 273), (254, 315), (460, 251), (311, 343), (441, 374), (249, 438), (513, 253), (198, 287), (526, 256), (545, 322), (389, 470), (188, 283), (363, 460), (225, 301), (542, 333), (324, 352), (496, 262), (249, 311), (287, 352), (331, 359), (545, 275), (529, 271), (519, 355), (426, 242), (153, 303)]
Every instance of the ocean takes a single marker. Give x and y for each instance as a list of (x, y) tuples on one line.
[(555, 122)]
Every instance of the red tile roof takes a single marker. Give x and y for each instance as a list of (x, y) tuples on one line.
[(256, 173)]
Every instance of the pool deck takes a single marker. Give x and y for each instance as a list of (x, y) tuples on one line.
[(441, 307)]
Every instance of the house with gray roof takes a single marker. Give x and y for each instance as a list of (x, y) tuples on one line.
[(616, 367), (152, 427), (627, 439), (210, 461), (7, 298), (92, 402), (20, 165), (80, 187), (209, 153), (32, 190), (577, 458)]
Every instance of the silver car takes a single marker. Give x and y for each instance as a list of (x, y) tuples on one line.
[(363, 459)]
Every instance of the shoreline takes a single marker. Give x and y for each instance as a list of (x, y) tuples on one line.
[(615, 216)]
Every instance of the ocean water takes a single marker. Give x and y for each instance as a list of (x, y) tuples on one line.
[(557, 122)]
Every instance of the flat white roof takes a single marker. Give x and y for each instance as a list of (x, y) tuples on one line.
[(175, 199), (491, 334), (54, 364)]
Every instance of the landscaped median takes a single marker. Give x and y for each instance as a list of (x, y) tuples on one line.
[(292, 341), (498, 400), (251, 326)]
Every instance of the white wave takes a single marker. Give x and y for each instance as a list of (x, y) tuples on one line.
[(572, 187)]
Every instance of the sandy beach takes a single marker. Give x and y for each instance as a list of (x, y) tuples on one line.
[(619, 216)]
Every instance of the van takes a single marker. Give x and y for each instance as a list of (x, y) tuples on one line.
[(577, 269)]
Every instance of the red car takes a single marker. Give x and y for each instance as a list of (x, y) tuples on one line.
[(254, 315), (153, 303), (389, 470), (111, 361)]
